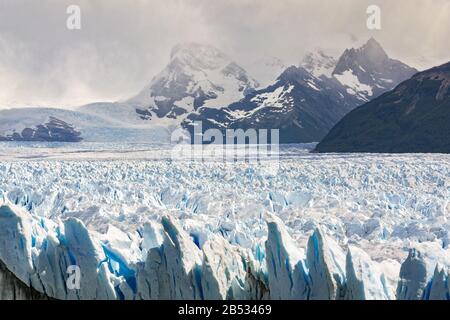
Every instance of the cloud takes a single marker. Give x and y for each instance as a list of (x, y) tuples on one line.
[(123, 44)]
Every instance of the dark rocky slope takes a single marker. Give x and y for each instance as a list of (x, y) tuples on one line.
[(413, 118)]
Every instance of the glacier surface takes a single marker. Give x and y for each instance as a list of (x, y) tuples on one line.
[(324, 227)]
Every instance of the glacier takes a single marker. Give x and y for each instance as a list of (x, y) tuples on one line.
[(35, 254), (357, 227)]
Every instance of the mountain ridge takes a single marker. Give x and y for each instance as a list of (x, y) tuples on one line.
[(306, 101), (412, 118), (201, 83)]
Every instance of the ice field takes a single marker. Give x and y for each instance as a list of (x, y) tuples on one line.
[(324, 226)]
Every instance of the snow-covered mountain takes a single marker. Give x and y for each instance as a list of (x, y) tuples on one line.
[(201, 83), (301, 105), (368, 71), (319, 63), (365, 72), (307, 101), (197, 76)]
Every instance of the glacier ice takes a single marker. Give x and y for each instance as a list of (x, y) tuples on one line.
[(365, 278), (325, 227), (440, 285), (16, 242), (164, 262), (181, 264), (286, 264), (39, 253), (326, 262), (423, 273), (223, 271)]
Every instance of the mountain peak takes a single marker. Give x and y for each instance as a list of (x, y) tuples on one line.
[(198, 75), (319, 63), (372, 42), (374, 51), (370, 53), (368, 71), (199, 56)]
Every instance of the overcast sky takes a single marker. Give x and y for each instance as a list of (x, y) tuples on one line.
[(122, 44)]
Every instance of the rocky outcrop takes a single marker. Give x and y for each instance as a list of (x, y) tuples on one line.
[(54, 130)]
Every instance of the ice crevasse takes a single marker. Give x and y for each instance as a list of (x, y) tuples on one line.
[(163, 261)]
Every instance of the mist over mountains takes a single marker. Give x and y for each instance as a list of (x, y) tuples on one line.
[(201, 83), (306, 101)]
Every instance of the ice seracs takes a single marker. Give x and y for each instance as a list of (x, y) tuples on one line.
[(11, 288), (288, 274), (423, 273), (174, 268), (182, 263), (224, 271), (35, 255), (440, 286), (365, 278), (42, 251), (17, 242), (326, 262), (415, 277), (323, 227)]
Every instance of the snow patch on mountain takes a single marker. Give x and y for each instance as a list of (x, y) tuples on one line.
[(353, 85), (319, 63), (275, 99)]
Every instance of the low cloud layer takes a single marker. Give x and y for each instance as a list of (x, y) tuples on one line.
[(123, 44)]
